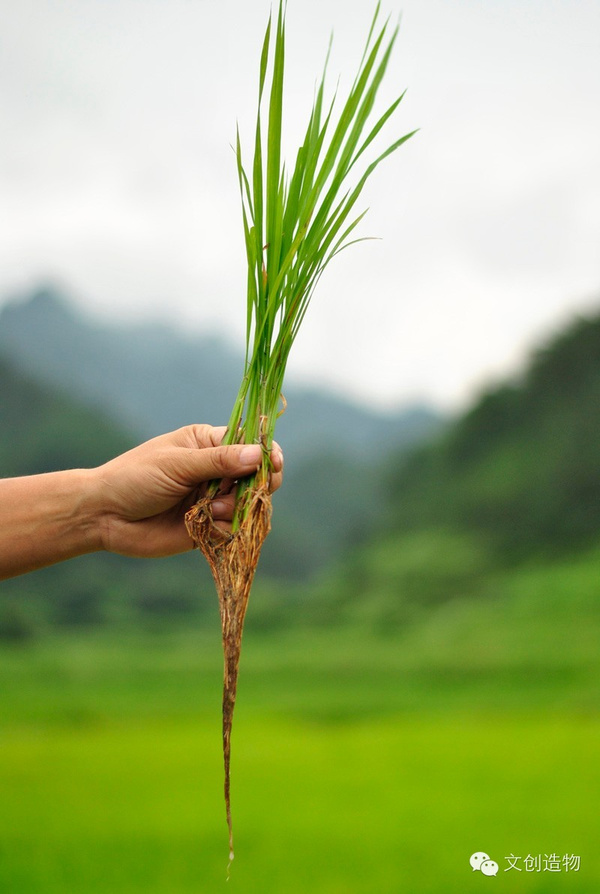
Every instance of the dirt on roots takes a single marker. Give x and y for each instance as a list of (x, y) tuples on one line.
[(232, 558)]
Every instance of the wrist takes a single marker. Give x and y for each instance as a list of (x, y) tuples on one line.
[(70, 511), (88, 510)]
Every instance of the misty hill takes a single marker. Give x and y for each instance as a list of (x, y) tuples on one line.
[(523, 466), (153, 379), (148, 379), (513, 484), (43, 429)]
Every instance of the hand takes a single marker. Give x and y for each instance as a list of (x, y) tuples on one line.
[(143, 494)]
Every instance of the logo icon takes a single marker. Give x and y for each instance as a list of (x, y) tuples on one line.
[(481, 862)]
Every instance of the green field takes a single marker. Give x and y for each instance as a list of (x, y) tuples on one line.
[(394, 804), (360, 763)]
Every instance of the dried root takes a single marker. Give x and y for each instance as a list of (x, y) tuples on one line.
[(233, 559)]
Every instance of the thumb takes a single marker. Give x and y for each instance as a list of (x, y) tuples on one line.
[(206, 463)]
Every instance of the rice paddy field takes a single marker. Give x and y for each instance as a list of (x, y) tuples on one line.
[(360, 763)]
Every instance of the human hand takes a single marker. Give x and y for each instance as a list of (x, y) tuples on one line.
[(144, 494)]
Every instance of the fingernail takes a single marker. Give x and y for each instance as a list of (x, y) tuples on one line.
[(251, 455), (218, 508), (277, 457)]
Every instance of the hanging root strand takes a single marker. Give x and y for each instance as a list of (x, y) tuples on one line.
[(232, 558)]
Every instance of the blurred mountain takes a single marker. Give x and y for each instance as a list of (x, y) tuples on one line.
[(153, 378), (44, 429), (499, 512), (522, 467), (149, 379), (513, 484)]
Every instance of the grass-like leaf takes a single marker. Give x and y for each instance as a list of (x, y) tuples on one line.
[(294, 225)]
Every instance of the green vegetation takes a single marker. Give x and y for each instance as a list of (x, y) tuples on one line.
[(510, 489), (367, 759), (522, 467), (531, 643), (44, 429), (434, 693), (296, 223), (136, 808), (361, 764), (147, 375)]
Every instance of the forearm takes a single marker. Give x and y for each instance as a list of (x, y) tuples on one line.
[(45, 519), (134, 505)]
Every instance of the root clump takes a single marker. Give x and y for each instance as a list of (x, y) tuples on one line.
[(232, 558)]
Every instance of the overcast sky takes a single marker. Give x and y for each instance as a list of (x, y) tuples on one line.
[(117, 179)]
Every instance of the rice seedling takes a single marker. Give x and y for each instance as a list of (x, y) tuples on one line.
[(296, 220)]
